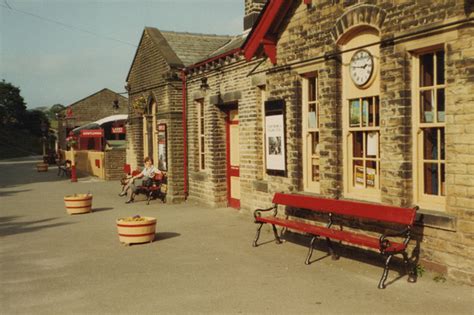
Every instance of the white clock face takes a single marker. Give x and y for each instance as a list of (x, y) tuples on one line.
[(361, 67)]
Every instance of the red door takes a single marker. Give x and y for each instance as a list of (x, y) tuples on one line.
[(233, 159)]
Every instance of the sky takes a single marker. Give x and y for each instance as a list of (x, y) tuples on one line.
[(60, 51)]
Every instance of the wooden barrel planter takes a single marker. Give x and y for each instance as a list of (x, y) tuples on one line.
[(42, 167), (136, 229), (78, 203)]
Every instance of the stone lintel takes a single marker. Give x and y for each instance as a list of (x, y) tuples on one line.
[(225, 98), (198, 95)]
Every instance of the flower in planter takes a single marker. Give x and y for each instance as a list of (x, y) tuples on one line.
[(71, 141), (132, 219)]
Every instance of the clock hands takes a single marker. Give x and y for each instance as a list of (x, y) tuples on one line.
[(362, 67)]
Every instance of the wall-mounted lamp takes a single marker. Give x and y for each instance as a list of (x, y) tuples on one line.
[(204, 85)]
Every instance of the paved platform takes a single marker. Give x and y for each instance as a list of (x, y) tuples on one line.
[(201, 262)]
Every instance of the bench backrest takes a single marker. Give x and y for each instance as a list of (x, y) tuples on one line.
[(375, 212), (127, 169), (136, 172)]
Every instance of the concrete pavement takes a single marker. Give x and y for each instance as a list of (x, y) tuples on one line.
[(201, 262)]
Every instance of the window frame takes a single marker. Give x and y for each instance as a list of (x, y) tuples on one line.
[(428, 201), (352, 188), (201, 143), (308, 133)]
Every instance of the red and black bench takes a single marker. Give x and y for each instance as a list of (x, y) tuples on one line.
[(341, 210), (157, 189)]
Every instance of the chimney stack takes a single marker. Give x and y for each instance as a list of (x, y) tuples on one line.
[(252, 10)]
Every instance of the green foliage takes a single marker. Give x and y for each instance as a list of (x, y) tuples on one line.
[(12, 105), (17, 142), (419, 270), (22, 131), (36, 122)]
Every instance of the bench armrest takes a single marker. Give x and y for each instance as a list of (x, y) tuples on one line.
[(257, 212), (384, 242)]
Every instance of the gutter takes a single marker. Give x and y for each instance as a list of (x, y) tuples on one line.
[(185, 138)]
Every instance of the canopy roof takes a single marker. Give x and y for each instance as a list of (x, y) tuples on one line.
[(98, 124)]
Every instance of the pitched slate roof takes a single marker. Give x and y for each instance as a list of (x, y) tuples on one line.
[(235, 42), (182, 49), (191, 47)]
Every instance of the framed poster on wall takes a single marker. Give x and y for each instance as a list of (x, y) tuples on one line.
[(275, 154), (162, 156)]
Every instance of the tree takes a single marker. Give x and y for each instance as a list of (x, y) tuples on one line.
[(36, 122), (12, 105), (54, 110)]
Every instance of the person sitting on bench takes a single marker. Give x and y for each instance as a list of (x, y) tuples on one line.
[(146, 175)]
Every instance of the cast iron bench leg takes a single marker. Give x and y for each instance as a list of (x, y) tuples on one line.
[(333, 254), (385, 272), (310, 251), (275, 232), (408, 269), (149, 197), (254, 244)]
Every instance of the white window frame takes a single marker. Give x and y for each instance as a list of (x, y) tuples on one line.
[(363, 190), (308, 133), (201, 134), (427, 201)]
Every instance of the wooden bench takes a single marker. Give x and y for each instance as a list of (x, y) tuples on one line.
[(341, 209), (64, 168)]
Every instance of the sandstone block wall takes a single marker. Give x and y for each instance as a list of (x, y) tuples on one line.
[(310, 33)]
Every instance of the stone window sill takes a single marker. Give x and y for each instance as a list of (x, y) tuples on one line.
[(435, 219)]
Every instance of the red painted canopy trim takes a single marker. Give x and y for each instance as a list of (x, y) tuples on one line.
[(267, 24)]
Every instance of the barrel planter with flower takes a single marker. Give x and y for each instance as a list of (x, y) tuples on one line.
[(78, 203), (42, 167), (136, 229)]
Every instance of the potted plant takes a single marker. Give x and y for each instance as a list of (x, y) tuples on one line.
[(78, 203), (136, 229), (42, 167)]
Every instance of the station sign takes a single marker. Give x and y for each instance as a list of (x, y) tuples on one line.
[(116, 130), (92, 133)]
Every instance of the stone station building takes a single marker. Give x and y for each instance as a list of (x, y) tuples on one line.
[(362, 100), (104, 103), (155, 91)]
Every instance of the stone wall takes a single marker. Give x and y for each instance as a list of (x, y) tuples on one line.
[(252, 10), (90, 109), (447, 236), (229, 86), (114, 161), (153, 79), (310, 35)]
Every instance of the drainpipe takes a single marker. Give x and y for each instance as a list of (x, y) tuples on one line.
[(185, 139)]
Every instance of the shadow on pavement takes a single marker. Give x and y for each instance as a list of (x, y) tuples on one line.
[(11, 192), (101, 209), (396, 270), (9, 227), (165, 235), (15, 173)]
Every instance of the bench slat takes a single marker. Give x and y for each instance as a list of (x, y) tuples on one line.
[(376, 212), (345, 236)]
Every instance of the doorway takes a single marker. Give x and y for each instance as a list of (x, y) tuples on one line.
[(233, 158)]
